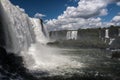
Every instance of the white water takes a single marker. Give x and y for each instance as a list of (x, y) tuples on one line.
[(50, 60), (41, 57), (111, 40), (107, 33), (17, 27), (71, 35), (21, 31), (40, 37)]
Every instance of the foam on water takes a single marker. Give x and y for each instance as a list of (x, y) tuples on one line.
[(41, 57), (47, 59), (38, 29)]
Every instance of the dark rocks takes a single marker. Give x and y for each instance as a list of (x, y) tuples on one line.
[(115, 54), (11, 67), (78, 77), (2, 33), (115, 44)]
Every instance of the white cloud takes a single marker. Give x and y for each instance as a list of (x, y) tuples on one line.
[(103, 12), (86, 9), (73, 23), (85, 15), (39, 15), (21, 9), (118, 3), (116, 20), (91, 8)]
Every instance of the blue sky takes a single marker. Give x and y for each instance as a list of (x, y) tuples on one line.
[(113, 10), (55, 10), (50, 8)]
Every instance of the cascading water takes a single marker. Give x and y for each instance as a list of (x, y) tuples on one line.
[(111, 40), (25, 36), (71, 35), (74, 35), (46, 58), (68, 36), (17, 28), (39, 31), (106, 33)]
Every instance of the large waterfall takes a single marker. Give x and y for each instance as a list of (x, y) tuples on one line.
[(21, 32), (71, 35), (26, 37), (17, 27)]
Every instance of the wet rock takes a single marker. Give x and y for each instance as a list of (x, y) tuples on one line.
[(115, 54), (11, 67)]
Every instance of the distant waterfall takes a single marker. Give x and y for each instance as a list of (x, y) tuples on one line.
[(71, 35), (107, 33)]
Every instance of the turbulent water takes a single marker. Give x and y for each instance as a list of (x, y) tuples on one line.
[(17, 27), (25, 36), (89, 62), (21, 31), (50, 60), (68, 62)]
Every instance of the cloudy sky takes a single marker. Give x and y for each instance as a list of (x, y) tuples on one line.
[(73, 14)]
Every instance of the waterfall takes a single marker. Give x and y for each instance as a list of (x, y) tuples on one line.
[(27, 37), (74, 35), (17, 28), (111, 40), (40, 31), (71, 35), (107, 33), (68, 36)]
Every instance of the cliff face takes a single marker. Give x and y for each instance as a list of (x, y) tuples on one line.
[(94, 37), (88, 34)]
